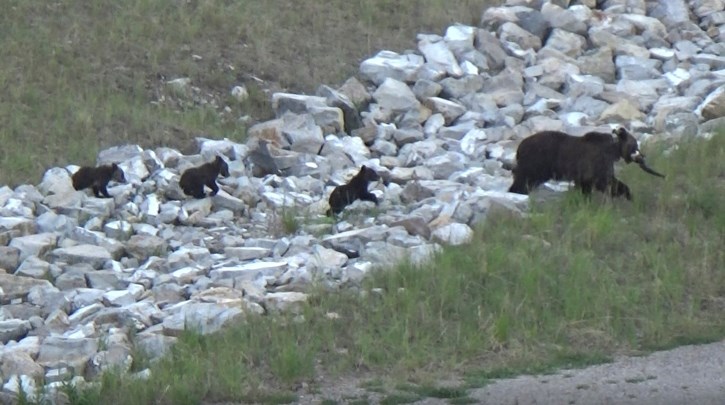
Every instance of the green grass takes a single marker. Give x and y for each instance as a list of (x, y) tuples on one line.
[(80, 77), (572, 284)]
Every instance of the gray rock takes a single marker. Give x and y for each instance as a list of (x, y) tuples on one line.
[(295, 103), (512, 33), (202, 317), (395, 96), (49, 299), (350, 119), (114, 247), (302, 133), (713, 106), (120, 230), (506, 88), (456, 88), (56, 181), (448, 109), (671, 12), (118, 298), (391, 65), (34, 245), (13, 329), (459, 38), (19, 362), (67, 203), (144, 246), (250, 271), (443, 166), (49, 221), (285, 301), (104, 280), (70, 281), (16, 287), (118, 154), (59, 351), (324, 258), (490, 46), (154, 345), (438, 55), (566, 42), (9, 258), (96, 256), (600, 37), (21, 226), (34, 268), (244, 253), (568, 20), (453, 234)]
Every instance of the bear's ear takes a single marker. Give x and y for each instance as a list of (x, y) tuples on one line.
[(364, 168), (114, 166)]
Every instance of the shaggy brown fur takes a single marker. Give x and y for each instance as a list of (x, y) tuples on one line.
[(97, 178), (355, 189), (193, 180), (588, 161)]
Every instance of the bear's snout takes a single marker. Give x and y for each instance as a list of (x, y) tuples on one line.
[(637, 157)]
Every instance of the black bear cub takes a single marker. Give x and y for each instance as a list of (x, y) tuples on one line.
[(193, 180), (588, 161), (97, 178), (355, 189)]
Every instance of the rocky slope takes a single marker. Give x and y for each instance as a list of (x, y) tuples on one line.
[(439, 123)]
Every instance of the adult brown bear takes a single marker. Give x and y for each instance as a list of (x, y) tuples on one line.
[(193, 180), (97, 178), (588, 161), (355, 189)]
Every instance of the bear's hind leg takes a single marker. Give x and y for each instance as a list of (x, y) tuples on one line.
[(198, 192), (585, 187), (519, 186)]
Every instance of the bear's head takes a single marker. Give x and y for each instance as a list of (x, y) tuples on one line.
[(628, 146), (222, 166), (368, 174), (117, 174)]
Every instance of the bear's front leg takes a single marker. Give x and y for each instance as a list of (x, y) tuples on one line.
[(369, 197), (214, 188)]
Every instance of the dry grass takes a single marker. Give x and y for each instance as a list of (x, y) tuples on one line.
[(79, 76)]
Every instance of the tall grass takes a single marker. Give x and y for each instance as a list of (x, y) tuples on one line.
[(80, 76), (575, 282)]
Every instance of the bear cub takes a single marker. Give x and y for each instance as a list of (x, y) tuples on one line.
[(355, 189), (193, 180), (588, 161), (97, 178)]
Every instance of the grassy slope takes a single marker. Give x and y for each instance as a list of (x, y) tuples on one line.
[(572, 284), (587, 280), (79, 76)]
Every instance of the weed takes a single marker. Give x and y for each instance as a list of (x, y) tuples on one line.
[(79, 77), (290, 223), (404, 398)]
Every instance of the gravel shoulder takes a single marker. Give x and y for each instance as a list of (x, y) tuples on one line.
[(685, 375)]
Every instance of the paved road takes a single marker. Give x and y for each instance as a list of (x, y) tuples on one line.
[(685, 375), (688, 375)]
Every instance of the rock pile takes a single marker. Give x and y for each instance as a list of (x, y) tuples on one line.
[(439, 124)]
